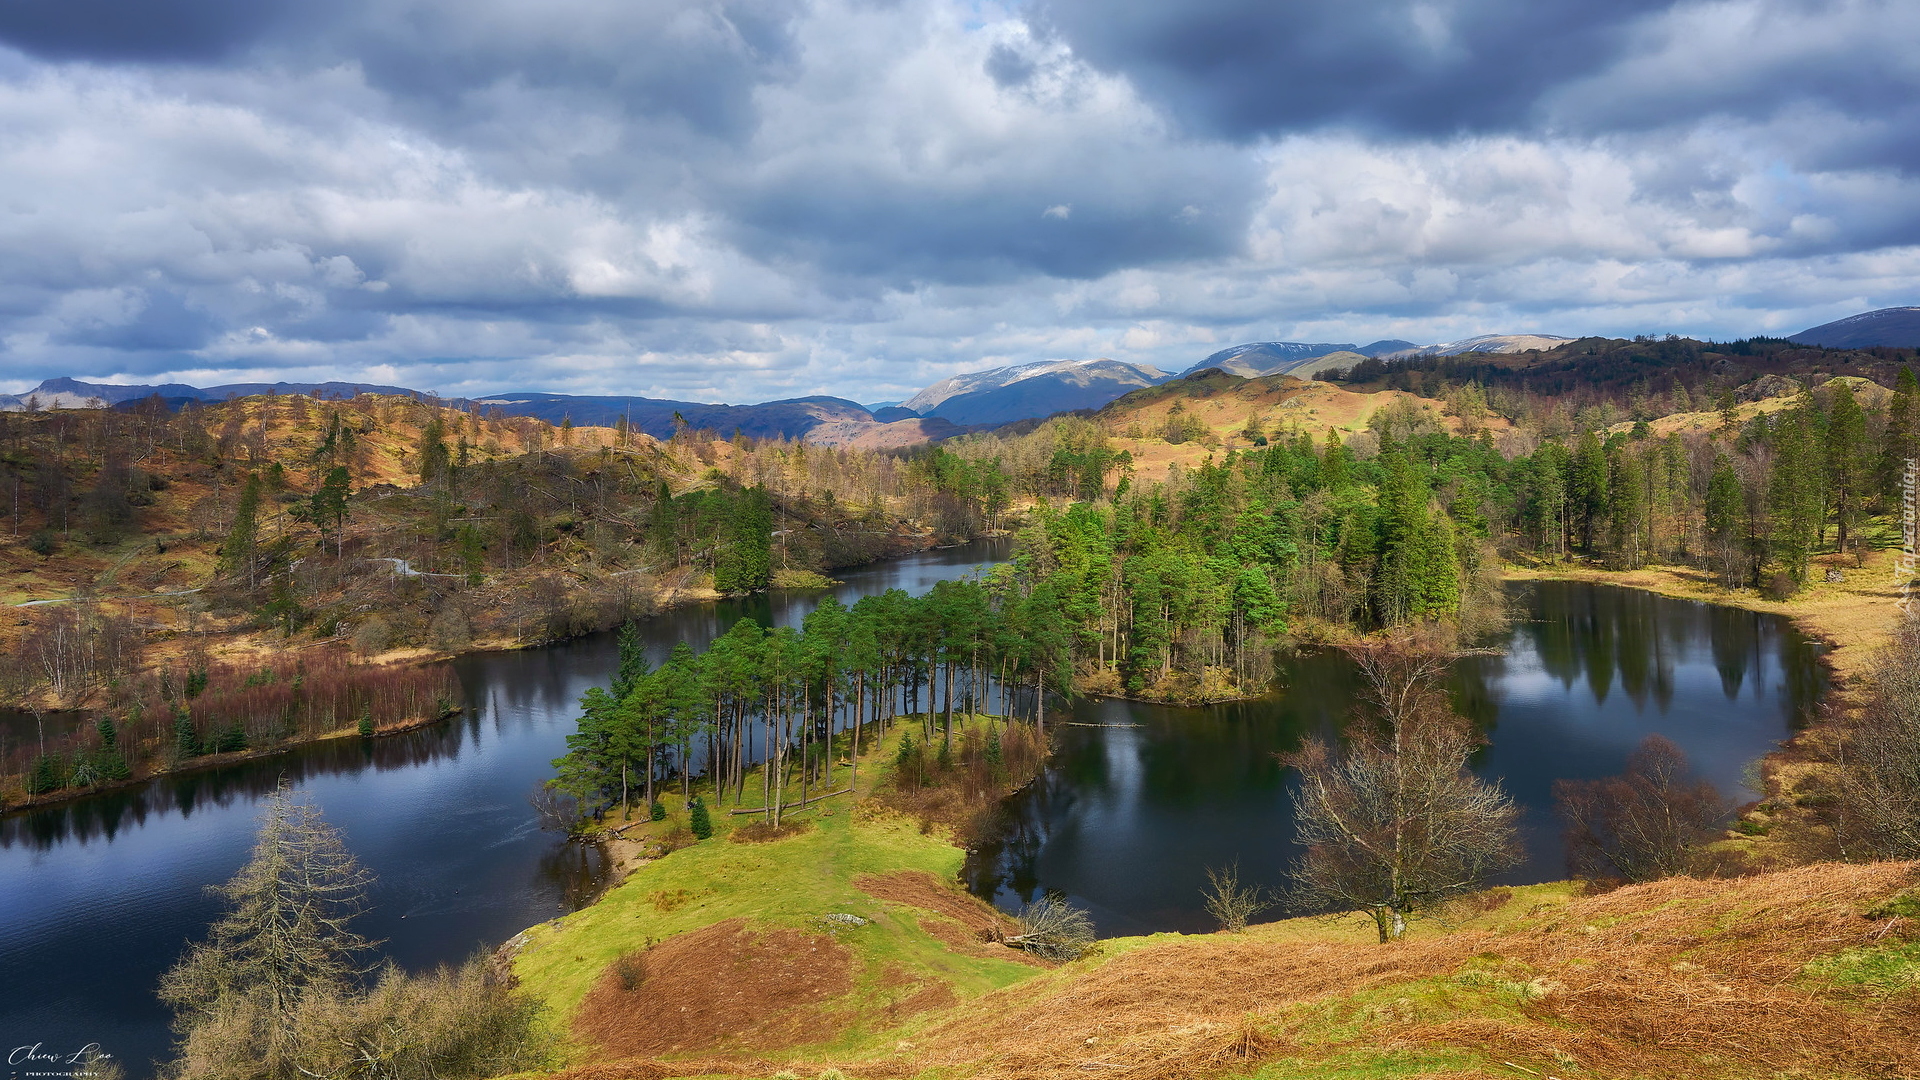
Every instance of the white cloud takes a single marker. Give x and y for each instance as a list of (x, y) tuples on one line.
[(750, 201)]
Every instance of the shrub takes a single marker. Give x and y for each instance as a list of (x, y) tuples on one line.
[(1232, 904), (1781, 586), (656, 811), (42, 543), (373, 636)]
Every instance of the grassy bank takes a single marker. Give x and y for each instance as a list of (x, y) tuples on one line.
[(1853, 616), (706, 923), (1813, 972)]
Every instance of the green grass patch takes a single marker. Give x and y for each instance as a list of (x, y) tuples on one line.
[(1370, 1065), (1880, 969), (791, 882)]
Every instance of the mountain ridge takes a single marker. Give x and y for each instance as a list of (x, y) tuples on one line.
[(1893, 327)]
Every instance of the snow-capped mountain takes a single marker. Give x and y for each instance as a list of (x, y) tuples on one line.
[(1025, 391), (1896, 327), (1485, 343)]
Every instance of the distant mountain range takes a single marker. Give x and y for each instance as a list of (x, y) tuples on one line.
[(74, 394), (1485, 343), (949, 407), (1261, 358), (792, 418), (1025, 391), (1894, 327)]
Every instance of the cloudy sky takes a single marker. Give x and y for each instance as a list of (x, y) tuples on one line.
[(743, 200)]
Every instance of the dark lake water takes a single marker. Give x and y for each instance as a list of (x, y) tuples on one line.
[(1126, 819), (98, 896)]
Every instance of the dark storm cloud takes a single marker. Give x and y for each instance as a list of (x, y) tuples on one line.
[(1250, 67), (755, 198), (141, 30)]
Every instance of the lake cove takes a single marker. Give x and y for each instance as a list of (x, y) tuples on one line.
[(1140, 799)]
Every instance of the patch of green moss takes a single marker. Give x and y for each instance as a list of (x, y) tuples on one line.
[(1880, 969), (1370, 1065), (1905, 903)]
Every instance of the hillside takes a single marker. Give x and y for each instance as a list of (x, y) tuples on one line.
[(1028, 391), (1484, 343), (145, 547), (1897, 327), (845, 946), (1210, 412)]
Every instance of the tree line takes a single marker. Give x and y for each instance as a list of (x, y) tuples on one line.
[(779, 697)]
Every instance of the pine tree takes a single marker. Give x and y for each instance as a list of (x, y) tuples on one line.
[(1846, 446), (186, 741), (699, 820), (329, 504), (1334, 465), (237, 554), (1899, 446), (744, 561), (1793, 496), (1587, 487), (1724, 511), (434, 460)]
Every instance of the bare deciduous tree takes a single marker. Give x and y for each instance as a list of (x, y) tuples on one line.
[(1644, 824), (286, 931), (275, 992), (1231, 903), (1878, 758), (1396, 823)]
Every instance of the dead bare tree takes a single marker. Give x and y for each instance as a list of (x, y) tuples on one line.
[(1877, 762), (1644, 824), (1396, 823), (1231, 903), (1053, 929)]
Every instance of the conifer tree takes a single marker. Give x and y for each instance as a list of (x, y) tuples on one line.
[(1846, 453), (287, 926), (434, 459), (1587, 487), (1724, 512), (237, 554), (329, 504), (1794, 494), (1899, 445)]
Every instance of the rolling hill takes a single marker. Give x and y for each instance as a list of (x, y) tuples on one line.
[(1896, 327), (1484, 343), (1026, 391)]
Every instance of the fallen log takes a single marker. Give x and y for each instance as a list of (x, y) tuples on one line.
[(791, 806)]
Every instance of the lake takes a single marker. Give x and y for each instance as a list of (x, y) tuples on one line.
[(99, 896), (1127, 818)]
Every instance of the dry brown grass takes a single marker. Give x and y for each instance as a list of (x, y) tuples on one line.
[(1679, 978), (727, 986), (1669, 980)]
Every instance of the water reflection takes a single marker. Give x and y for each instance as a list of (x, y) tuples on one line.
[(98, 895), (1128, 817)]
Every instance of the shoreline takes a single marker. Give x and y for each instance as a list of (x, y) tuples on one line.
[(234, 757), (416, 657)]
